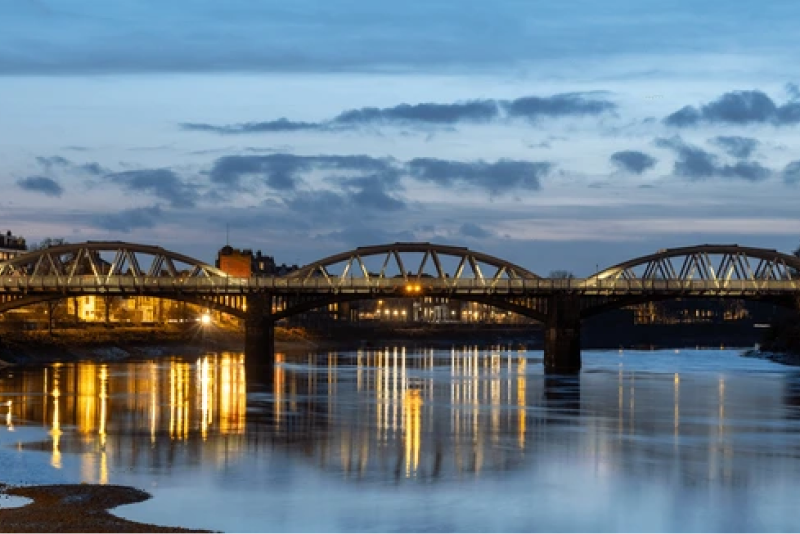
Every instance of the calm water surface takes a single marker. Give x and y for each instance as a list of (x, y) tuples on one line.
[(421, 440)]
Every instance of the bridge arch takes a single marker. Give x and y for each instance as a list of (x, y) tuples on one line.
[(92, 263), (712, 263), (717, 266), (107, 258), (216, 304), (413, 261), (532, 308)]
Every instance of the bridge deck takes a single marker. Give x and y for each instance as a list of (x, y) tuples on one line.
[(413, 287)]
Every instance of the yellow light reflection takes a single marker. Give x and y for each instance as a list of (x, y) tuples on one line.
[(55, 430), (102, 425), (412, 426), (279, 382), (153, 402), (9, 422)]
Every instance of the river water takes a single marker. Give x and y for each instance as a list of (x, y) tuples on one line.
[(421, 440)]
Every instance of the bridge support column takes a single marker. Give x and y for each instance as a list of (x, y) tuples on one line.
[(259, 339), (562, 341)]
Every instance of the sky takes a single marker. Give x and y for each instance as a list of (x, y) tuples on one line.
[(557, 134)]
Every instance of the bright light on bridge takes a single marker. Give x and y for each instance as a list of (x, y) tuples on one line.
[(205, 319)]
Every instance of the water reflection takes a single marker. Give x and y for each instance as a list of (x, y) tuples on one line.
[(418, 416), (100, 409)]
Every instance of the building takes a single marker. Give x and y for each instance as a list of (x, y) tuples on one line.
[(243, 263), (11, 245)]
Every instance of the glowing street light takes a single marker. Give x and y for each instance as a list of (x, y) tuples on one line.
[(205, 319)]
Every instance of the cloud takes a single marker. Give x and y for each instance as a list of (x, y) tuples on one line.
[(276, 171), (747, 170), (430, 114), (48, 162), (279, 125), (791, 173), (427, 113), (793, 91), (497, 178), (736, 146), (163, 183), (282, 172), (737, 107), (633, 161), (412, 36), (696, 164), (562, 105), (317, 205), (41, 184), (51, 163), (127, 220), (377, 192), (473, 230)]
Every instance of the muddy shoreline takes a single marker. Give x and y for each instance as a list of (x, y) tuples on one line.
[(75, 508)]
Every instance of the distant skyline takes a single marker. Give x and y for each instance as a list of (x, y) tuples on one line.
[(556, 135)]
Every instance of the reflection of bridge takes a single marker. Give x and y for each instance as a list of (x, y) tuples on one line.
[(402, 269)]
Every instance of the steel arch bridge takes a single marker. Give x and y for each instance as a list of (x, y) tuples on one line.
[(116, 268), (110, 268), (399, 269)]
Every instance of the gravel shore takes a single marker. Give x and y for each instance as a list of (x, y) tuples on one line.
[(75, 508)]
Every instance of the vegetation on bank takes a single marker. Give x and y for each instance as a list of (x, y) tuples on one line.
[(784, 338)]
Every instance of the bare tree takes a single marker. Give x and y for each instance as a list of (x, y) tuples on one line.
[(47, 242), (561, 274)]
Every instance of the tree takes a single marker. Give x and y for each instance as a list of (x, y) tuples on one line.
[(47, 242), (561, 274)]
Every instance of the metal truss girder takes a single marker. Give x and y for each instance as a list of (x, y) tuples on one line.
[(697, 264), (430, 252)]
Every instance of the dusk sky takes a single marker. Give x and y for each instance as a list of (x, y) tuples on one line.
[(555, 134)]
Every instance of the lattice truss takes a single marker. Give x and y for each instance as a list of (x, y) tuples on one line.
[(717, 264), (99, 262), (413, 263)]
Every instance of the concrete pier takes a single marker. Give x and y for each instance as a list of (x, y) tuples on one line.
[(562, 341)]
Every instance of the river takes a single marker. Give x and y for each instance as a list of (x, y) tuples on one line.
[(421, 440)]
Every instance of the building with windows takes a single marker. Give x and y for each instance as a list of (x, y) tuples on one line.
[(11, 246), (243, 263)]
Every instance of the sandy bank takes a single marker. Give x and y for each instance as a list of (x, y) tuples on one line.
[(75, 508)]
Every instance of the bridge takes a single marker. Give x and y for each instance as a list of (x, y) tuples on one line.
[(115, 268)]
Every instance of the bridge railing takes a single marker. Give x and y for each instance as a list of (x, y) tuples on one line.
[(234, 285)]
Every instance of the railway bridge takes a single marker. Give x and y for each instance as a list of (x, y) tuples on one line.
[(115, 268)]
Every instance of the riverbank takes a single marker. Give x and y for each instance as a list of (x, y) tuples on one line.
[(99, 343), (781, 343), (75, 508), (118, 343)]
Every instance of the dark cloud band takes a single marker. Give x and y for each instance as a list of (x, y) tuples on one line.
[(530, 108), (737, 107), (633, 161), (41, 184)]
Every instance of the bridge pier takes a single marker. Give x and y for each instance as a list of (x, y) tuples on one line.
[(562, 341), (259, 339)]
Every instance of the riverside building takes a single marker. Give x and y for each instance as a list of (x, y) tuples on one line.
[(11, 245)]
